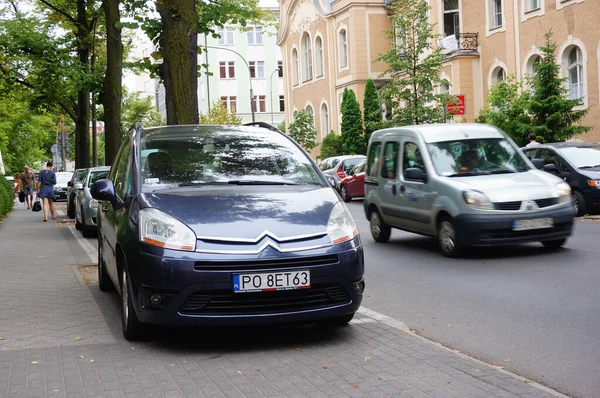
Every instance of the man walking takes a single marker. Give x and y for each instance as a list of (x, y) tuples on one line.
[(27, 180), (532, 140)]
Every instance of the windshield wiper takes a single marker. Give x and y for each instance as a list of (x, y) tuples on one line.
[(589, 167), (503, 171), (469, 174), (259, 182)]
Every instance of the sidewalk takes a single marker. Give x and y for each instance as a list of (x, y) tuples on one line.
[(62, 338)]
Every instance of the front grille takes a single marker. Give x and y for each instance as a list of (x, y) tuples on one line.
[(509, 233), (546, 202), (262, 264), (507, 205), (229, 303)]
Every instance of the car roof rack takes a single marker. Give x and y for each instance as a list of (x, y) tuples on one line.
[(263, 125)]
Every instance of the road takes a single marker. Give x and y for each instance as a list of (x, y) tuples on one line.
[(534, 312)]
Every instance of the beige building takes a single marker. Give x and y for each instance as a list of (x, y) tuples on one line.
[(329, 45)]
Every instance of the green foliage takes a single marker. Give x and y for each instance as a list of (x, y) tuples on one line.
[(331, 145), (138, 109), (281, 126), (372, 109), (353, 140), (7, 197), (415, 64), (302, 129), (218, 114)]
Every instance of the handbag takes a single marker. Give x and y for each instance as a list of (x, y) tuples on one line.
[(22, 197), (37, 206)]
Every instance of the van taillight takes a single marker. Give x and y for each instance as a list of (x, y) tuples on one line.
[(341, 173)]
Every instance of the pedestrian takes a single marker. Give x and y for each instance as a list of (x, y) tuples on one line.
[(27, 182), (532, 140), (47, 180)]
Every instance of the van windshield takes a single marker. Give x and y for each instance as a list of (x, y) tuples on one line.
[(465, 158)]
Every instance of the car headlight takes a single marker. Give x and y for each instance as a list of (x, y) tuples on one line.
[(564, 192), (341, 226), (478, 200), (160, 229), (94, 204)]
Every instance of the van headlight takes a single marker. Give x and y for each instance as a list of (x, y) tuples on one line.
[(160, 229), (341, 226), (478, 200), (564, 192)]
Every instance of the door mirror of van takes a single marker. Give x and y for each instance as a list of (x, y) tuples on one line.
[(538, 163), (331, 181), (105, 190), (550, 168), (415, 174)]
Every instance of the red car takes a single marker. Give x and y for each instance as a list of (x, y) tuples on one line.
[(353, 186)]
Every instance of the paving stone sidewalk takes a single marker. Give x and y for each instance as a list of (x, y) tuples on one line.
[(61, 338)]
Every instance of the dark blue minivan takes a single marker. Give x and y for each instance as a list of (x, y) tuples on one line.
[(224, 225)]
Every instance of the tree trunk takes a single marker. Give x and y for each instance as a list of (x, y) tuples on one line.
[(82, 128), (180, 21), (112, 81)]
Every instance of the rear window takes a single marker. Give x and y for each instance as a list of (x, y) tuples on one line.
[(349, 164), (221, 156)]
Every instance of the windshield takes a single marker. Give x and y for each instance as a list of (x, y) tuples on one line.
[(63, 179), (222, 156), (97, 175), (476, 157), (582, 158)]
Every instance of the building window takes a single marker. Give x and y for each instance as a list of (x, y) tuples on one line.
[(320, 58), (307, 57), (260, 103), (227, 69), (532, 5), (496, 14), (533, 64), (499, 75), (309, 111), (451, 18), (225, 36), (281, 104), (575, 73), (255, 35), (445, 88), (295, 67), (230, 103), (324, 121), (280, 67), (257, 69), (343, 39)]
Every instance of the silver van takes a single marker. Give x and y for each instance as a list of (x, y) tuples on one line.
[(466, 184)]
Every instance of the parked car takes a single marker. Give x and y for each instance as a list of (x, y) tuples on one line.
[(62, 185), (86, 207), (353, 186), (466, 184), (576, 163), (226, 225), (337, 167), (75, 185)]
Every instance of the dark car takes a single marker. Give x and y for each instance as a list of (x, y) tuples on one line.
[(353, 186), (578, 164), (225, 225), (75, 185), (62, 185)]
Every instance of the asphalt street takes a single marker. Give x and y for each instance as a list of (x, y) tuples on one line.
[(533, 311)]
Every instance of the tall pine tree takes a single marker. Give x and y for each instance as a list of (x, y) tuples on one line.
[(353, 140), (372, 110)]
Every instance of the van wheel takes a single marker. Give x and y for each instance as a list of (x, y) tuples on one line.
[(132, 327), (344, 194), (380, 231), (554, 244), (447, 238), (579, 203)]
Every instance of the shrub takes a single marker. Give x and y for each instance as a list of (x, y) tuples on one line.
[(331, 145), (7, 197)]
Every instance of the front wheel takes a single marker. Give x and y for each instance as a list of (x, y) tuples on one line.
[(554, 244), (380, 231), (344, 194), (86, 230), (579, 203), (104, 282), (447, 238), (132, 327), (71, 208)]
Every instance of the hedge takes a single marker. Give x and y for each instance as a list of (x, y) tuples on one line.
[(7, 197)]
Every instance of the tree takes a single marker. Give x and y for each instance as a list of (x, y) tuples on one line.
[(331, 146), (416, 65), (372, 109), (553, 116), (353, 140), (138, 109), (218, 114), (302, 129)]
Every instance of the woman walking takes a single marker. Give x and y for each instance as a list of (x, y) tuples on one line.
[(47, 180)]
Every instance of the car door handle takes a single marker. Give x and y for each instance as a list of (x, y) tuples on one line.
[(395, 190), (402, 188)]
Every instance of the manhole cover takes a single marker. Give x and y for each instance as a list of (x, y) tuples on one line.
[(89, 273)]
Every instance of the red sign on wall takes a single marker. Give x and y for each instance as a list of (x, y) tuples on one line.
[(458, 108)]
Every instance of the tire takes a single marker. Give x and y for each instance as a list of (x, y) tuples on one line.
[(104, 281), (380, 231), (344, 194), (447, 240), (338, 322), (77, 223), (86, 231), (132, 328), (554, 244), (579, 204), (71, 209)]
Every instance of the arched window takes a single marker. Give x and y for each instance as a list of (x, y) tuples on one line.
[(320, 59), (309, 111), (532, 65), (343, 41), (295, 67), (499, 75), (324, 121), (575, 73), (307, 57)]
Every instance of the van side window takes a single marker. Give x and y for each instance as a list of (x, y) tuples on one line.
[(390, 160), (373, 159), (412, 157)]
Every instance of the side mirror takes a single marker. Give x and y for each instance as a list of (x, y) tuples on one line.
[(331, 181), (78, 186), (550, 168), (105, 190), (415, 174), (538, 163)]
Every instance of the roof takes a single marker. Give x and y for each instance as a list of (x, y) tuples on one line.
[(445, 131), (344, 157), (187, 129), (561, 145)]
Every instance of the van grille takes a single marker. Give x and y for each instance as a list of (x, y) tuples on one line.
[(507, 205), (262, 264)]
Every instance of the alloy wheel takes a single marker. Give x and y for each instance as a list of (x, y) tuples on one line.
[(447, 237), (124, 299)]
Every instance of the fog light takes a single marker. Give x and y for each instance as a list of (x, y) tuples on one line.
[(359, 287), (156, 299)]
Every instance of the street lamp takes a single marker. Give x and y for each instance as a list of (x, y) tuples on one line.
[(271, 91), (249, 74)]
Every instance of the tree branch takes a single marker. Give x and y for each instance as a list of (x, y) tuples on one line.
[(61, 12), (14, 6), (61, 103)]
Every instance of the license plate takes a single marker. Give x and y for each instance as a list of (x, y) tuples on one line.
[(537, 223), (271, 281)]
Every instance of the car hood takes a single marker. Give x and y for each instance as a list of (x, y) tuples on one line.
[(529, 185), (593, 174), (247, 212)]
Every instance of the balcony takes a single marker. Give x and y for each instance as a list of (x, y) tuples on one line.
[(463, 43)]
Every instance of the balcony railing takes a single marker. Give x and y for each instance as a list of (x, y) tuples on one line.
[(461, 43)]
